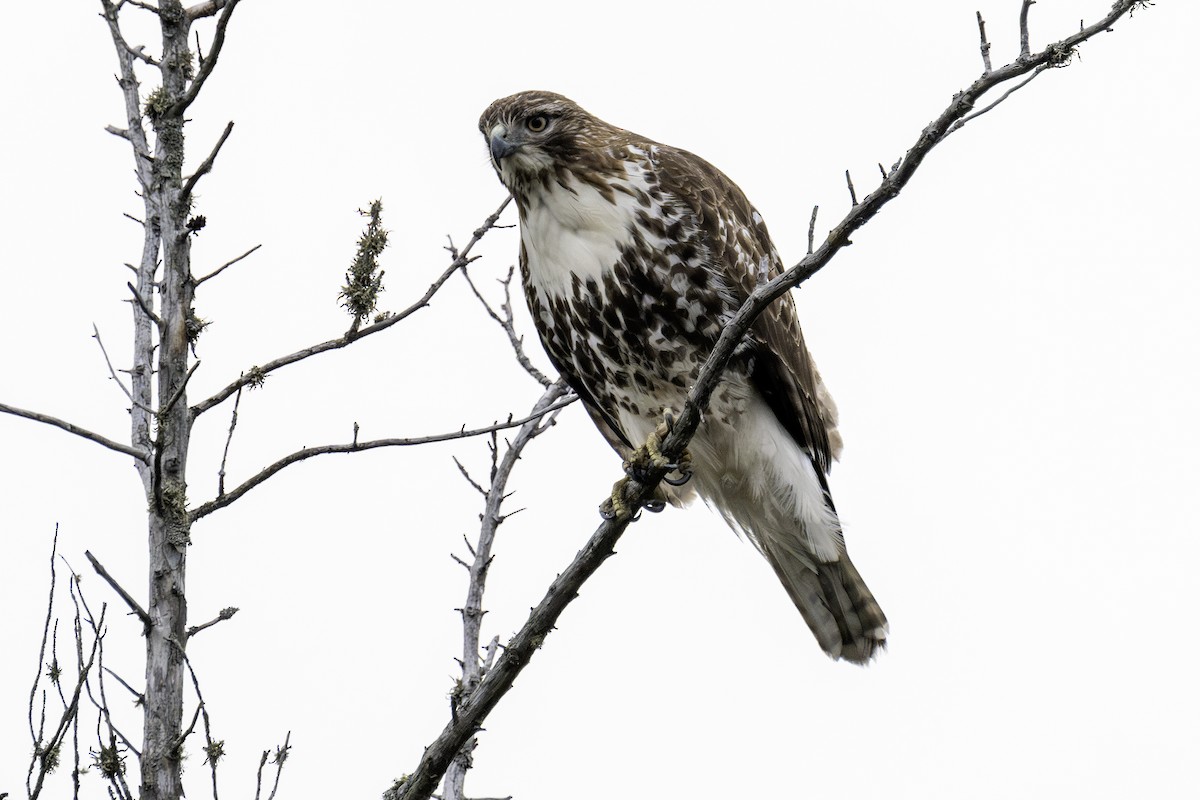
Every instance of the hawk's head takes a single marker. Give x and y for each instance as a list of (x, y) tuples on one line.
[(534, 135)]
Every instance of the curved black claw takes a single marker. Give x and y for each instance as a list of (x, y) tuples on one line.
[(654, 505), (684, 477)]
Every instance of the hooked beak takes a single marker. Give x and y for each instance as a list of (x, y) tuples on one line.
[(501, 148)]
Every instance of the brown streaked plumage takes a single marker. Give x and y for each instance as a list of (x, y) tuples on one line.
[(634, 255)]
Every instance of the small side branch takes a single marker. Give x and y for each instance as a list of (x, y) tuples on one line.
[(507, 324), (994, 103), (226, 613), (113, 373), (180, 389), (358, 447), (213, 750), (142, 305), (257, 374), (134, 606), (281, 755), (1024, 24), (205, 166), (229, 440), (985, 47), (214, 51), (140, 455), (226, 265)]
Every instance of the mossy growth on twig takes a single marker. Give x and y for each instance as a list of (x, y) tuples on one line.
[(1061, 56), (255, 378), (109, 761), (49, 757), (364, 281), (214, 751)]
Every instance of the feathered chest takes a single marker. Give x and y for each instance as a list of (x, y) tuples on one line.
[(620, 282)]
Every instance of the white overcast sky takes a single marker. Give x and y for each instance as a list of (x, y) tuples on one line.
[(1014, 344)]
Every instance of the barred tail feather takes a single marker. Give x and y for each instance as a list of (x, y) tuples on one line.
[(835, 602), (767, 487)]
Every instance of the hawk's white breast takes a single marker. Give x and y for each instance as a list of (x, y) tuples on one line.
[(572, 229)]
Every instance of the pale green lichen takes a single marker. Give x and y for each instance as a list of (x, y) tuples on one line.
[(364, 281)]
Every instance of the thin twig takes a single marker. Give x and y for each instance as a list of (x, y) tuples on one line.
[(112, 372), (117, 779), (1024, 24), (205, 166), (229, 439), (281, 755), (226, 266), (140, 455), (850, 186), (42, 748), (226, 613), (985, 47), (37, 678), (257, 373), (179, 389), (467, 476), (142, 304), (210, 62), (214, 750), (812, 228), (992, 105), (309, 452), (506, 323), (134, 606), (138, 696)]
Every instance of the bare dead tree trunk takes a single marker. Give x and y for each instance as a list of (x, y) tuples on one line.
[(166, 200), (169, 526)]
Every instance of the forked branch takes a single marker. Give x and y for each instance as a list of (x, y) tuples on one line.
[(258, 373), (358, 447)]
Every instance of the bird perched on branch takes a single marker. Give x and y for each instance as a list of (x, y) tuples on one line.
[(634, 256)]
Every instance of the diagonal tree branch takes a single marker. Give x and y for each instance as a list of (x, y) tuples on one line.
[(506, 323), (113, 372), (358, 447), (205, 166), (420, 784), (140, 455), (256, 374), (134, 606), (226, 265), (214, 51)]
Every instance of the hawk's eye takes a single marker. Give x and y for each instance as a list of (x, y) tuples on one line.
[(537, 123)]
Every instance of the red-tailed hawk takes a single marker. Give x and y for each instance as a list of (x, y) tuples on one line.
[(634, 255)]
